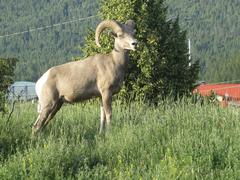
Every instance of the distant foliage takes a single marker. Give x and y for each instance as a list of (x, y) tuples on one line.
[(7, 67), (39, 50), (226, 69), (213, 27), (160, 67)]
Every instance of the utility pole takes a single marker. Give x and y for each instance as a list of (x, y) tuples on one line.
[(189, 51)]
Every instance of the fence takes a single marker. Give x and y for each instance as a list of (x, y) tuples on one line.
[(22, 91)]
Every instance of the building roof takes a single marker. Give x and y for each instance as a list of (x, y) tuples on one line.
[(230, 90), (23, 83)]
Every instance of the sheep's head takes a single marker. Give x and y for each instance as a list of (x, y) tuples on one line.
[(123, 34)]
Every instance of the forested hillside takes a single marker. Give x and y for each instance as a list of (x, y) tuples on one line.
[(39, 50), (226, 71), (213, 27)]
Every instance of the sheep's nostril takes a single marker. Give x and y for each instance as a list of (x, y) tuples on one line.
[(134, 44)]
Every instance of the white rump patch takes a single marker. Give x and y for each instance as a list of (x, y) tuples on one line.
[(40, 83)]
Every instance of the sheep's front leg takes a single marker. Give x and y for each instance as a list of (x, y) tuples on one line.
[(107, 109)]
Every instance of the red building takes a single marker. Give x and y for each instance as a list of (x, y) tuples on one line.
[(227, 94)]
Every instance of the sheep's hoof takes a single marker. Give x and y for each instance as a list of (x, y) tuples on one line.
[(35, 131), (101, 131)]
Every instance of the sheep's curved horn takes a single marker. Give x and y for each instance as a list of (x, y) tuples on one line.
[(106, 24)]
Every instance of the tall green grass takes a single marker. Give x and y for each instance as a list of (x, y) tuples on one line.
[(177, 140)]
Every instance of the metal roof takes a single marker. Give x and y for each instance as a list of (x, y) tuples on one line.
[(228, 90)]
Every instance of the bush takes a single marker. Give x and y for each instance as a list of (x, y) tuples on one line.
[(160, 67), (7, 67)]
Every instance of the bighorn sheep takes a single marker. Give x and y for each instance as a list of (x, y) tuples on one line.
[(96, 76)]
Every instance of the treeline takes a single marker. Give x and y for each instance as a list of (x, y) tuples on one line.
[(226, 71), (213, 27), (39, 50)]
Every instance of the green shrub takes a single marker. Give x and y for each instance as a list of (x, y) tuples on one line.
[(160, 66)]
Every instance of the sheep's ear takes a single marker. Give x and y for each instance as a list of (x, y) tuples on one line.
[(130, 23)]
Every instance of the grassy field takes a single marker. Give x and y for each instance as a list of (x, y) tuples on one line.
[(172, 141)]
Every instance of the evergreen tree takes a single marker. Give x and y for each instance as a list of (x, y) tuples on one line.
[(7, 67), (160, 67)]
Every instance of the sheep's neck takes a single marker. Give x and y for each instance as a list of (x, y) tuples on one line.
[(120, 57)]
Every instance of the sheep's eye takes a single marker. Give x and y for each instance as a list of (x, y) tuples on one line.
[(120, 35)]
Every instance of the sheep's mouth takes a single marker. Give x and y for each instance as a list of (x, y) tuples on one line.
[(134, 46)]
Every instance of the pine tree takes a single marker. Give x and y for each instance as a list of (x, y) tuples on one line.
[(160, 67)]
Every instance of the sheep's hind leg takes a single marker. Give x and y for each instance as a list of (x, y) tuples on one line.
[(41, 119), (55, 109), (103, 119)]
